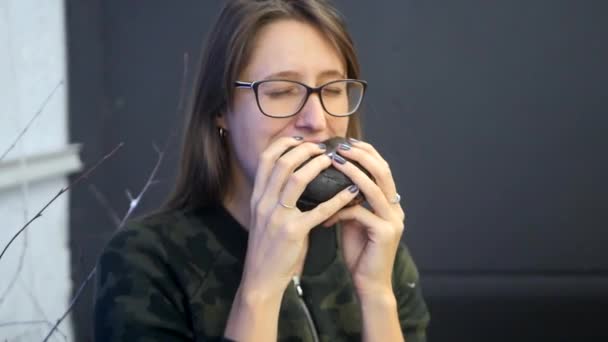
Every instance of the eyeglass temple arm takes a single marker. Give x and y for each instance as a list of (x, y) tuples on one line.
[(241, 84)]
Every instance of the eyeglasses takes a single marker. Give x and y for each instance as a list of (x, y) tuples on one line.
[(285, 98)]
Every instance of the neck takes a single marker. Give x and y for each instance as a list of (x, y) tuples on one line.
[(238, 207)]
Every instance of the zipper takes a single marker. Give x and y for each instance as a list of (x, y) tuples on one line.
[(311, 324)]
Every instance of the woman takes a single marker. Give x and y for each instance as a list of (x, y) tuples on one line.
[(231, 256)]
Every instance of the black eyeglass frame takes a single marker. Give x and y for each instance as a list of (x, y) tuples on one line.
[(309, 90)]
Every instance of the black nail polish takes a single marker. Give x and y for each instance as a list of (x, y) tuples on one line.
[(353, 188), (322, 146), (339, 159), (344, 147), (298, 138)]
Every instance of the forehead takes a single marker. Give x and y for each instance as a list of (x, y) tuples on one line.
[(290, 45)]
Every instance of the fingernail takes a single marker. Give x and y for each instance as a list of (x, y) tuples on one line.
[(353, 140), (322, 146), (298, 138), (353, 188), (344, 147), (339, 159)]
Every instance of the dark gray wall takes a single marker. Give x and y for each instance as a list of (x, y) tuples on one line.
[(492, 114)]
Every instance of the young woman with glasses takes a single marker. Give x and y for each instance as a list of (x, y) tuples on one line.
[(230, 255)]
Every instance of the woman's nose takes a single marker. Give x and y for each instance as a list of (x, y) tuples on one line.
[(312, 115)]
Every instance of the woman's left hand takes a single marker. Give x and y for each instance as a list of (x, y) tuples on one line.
[(369, 238)]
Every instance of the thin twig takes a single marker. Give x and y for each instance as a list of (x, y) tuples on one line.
[(33, 298), (26, 214), (25, 244), (13, 281), (35, 322), (72, 303), (24, 247), (133, 202), (40, 110), (75, 182), (104, 203)]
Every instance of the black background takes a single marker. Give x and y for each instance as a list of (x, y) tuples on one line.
[(492, 114)]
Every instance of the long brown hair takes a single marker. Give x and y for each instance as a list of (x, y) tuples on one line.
[(203, 176)]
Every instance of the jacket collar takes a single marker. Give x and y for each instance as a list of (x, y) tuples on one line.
[(229, 232)]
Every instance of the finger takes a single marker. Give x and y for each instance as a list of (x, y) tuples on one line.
[(328, 208), (266, 164), (373, 194), (337, 217), (366, 147), (377, 167), (284, 168), (297, 182), (376, 226)]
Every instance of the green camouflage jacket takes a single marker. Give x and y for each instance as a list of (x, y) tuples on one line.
[(172, 277)]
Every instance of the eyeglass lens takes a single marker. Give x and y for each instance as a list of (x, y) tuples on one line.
[(285, 98)]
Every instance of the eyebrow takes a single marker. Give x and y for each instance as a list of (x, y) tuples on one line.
[(296, 75)]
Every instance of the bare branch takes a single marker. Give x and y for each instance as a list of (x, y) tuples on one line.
[(24, 193), (129, 196), (133, 202), (40, 110), (33, 298), (102, 199), (38, 307), (72, 303), (75, 182), (16, 275), (132, 206), (35, 322)]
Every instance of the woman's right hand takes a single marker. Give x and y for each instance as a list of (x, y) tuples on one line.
[(278, 236)]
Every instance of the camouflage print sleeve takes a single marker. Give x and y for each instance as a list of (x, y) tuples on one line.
[(136, 298), (413, 313)]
